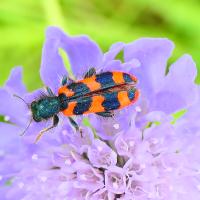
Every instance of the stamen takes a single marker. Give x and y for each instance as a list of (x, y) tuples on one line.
[(2, 152), (21, 185), (64, 132), (6, 118), (171, 188), (83, 177), (43, 178), (142, 166), (100, 148), (116, 126), (131, 143), (169, 169), (68, 162), (198, 187), (138, 109), (34, 157), (115, 185)]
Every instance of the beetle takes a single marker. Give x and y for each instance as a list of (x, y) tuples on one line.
[(97, 93)]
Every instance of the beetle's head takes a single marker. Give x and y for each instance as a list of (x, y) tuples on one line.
[(35, 109)]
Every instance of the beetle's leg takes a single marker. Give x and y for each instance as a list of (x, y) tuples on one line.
[(90, 72), (50, 92), (55, 123), (75, 125), (66, 80), (105, 114)]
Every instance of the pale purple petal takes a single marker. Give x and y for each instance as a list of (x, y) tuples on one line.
[(113, 51), (82, 52), (178, 90), (14, 109), (152, 55), (139, 188), (125, 146), (115, 180), (52, 67), (66, 160), (102, 194), (14, 83), (101, 155), (132, 166), (191, 118), (10, 140), (79, 140), (88, 177), (109, 128)]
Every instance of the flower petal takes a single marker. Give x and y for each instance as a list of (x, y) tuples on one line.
[(12, 108), (113, 51), (82, 52), (88, 177), (101, 155), (9, 137), (14, 82), (115, 180), (152, 55), (178, 90), (52, 67)]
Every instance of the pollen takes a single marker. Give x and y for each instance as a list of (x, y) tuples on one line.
[(83, 177), (116, 126), (43, 178), (6, 118), (21, 185), (138, 109), (68, 162), (100, 148), (64, 132), (34, 157), (115, 185), (198, 187)]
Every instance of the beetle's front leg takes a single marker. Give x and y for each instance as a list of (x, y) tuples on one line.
[(75, 125), (55, 123)]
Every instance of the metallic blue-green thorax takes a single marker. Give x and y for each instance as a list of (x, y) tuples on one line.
[(45, 108)]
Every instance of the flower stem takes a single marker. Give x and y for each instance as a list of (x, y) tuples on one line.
[(53, 13)]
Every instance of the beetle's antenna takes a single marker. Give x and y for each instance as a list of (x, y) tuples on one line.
[(22, 134), (21, 99), (31, 118)]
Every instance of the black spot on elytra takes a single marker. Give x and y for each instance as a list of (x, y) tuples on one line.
[(131, 94), (105, 79), (111, 101), (79, 89), (83, 105), (127, 78)]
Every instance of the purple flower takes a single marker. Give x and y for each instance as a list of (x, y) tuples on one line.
[(101, 155), (142, 153), (115, 180), (88, 177)]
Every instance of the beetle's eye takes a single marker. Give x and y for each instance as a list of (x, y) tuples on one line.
[(36, 118), (33, 104)]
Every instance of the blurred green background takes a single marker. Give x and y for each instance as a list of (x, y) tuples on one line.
[(23, 24)]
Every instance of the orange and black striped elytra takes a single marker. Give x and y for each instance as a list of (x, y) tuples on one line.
[(96, 93), (101, 94)]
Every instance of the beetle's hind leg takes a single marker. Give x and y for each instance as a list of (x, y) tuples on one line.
[(75, 125), (50, 92), (106, 114), (66, 80), (55, 123), (90, 72)]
